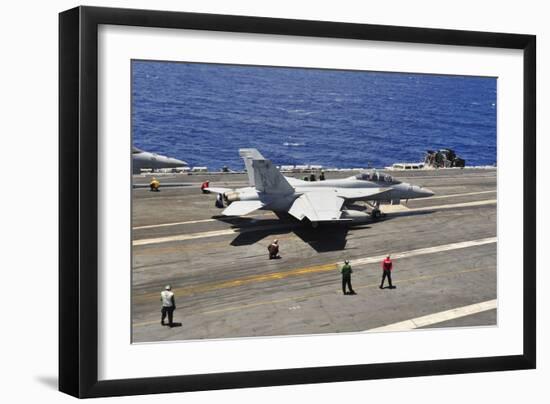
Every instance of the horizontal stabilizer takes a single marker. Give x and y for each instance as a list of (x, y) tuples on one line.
[(218, 190), (241, 208)]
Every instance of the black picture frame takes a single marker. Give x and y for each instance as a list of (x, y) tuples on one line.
[(78, 201)]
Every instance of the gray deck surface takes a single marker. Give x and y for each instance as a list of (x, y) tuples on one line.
[(226, 287)]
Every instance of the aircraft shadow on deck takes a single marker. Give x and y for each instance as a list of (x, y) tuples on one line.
[(325, 238)]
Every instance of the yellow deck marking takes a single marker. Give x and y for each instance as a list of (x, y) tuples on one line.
[(318, 294), (359, 287), (207, 287)]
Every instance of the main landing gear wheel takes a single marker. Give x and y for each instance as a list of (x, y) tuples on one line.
[(375, 213)]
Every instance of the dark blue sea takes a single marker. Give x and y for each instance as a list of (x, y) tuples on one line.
[(204, 113)]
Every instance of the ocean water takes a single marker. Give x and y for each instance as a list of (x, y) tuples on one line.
[(203, 113)]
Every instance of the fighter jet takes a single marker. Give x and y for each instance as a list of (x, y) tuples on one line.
[(145, 160), (316, 202)]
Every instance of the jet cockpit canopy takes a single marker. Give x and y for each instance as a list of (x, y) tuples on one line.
[(376, 177)]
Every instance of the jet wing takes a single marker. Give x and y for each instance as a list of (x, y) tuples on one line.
[(317, 206), (358, 194), (240, 208)]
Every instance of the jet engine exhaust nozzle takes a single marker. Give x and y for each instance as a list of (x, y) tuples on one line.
[(232, 196)]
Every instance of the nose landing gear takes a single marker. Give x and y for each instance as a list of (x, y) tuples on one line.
[(375, 213)]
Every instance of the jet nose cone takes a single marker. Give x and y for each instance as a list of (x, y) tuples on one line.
[(424, 192), (429, 192), (175, 162), (180, 162)]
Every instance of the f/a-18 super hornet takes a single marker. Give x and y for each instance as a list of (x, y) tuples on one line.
[(146, 160), (326, 201)]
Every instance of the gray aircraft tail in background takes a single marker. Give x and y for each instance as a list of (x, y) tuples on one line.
[(152, 161)]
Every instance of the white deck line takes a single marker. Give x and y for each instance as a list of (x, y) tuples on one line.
[(153, 226), (435, 318), (454, 205), (216, 233), (427, 250), (206, 234), (454, 195)]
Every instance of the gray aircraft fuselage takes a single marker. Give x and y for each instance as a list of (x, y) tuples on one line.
[(317, 201), (397, 190)]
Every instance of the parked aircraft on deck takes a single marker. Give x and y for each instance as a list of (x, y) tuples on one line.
[(326, 201), (146, 160)]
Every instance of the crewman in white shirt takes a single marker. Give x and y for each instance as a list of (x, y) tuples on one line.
[(168, 305)]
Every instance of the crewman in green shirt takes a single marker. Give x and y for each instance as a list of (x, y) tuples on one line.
[(346, 278)]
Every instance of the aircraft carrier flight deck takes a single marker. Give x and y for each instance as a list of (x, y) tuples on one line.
[(444, 251)]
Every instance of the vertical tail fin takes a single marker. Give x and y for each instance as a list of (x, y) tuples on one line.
[(263, 175), (248, 155)]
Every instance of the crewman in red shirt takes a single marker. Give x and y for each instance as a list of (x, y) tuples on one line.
[(205, 185), (387, 267)]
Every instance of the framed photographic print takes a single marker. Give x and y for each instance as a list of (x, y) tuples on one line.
[(243, 196)]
